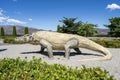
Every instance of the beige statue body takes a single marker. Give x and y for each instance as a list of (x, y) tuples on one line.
[(62, 41)]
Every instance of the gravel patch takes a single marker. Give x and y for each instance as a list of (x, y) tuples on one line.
[(28, 50)]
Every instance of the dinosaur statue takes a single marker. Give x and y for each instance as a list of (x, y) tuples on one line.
[(62, 41)]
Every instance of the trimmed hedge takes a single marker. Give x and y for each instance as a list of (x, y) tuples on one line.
[(36, 69)]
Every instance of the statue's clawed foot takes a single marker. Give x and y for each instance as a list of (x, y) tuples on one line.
[(78, 50)]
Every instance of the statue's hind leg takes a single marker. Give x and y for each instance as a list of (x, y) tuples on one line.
[(77, 50), (42, 49), (46, 44), (71, 44)]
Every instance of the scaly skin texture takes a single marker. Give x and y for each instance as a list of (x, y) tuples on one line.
[(58, 41)]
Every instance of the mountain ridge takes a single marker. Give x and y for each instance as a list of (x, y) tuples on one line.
[(20, 30)]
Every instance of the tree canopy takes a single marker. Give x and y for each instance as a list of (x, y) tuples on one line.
[(114, 27), (87, 29), (2, 31), (26, 30), (14, 31), (70, 25)]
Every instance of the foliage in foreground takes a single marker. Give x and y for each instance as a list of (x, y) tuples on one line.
[(36, 69)]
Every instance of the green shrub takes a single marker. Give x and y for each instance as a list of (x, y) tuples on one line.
[(113, 44), (101, 42), (109, 43), (10, 40), (7, 40), (36, 69)]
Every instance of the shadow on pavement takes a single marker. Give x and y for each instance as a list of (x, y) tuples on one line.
[(61, 53), (2, 50)]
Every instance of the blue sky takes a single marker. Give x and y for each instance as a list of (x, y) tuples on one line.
[(45, 14)]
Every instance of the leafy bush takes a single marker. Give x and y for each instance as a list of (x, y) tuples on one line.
[(11, 40), (36, 69), (8, 39), (109, 43), (113, 44)]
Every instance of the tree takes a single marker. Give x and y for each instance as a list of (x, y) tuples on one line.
[(59, 29), (26, 30), (87, 30), (114, 27), (69, 25), (2, 31), (14, 31)]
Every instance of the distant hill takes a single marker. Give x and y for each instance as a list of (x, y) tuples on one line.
[(20, 29), (102, 31)]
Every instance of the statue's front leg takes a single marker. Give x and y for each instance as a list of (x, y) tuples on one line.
[(71, 44), (45, 44)]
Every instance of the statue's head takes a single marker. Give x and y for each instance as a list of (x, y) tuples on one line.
[(34, 37), (25, 38), (28, 37)]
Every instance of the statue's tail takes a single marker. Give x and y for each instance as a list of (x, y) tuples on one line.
[(95, 47)]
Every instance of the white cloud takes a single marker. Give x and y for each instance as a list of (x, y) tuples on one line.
[(2, 19), (15, 21), (113, 6), (30, 19), (1, 12), (8, 20)]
